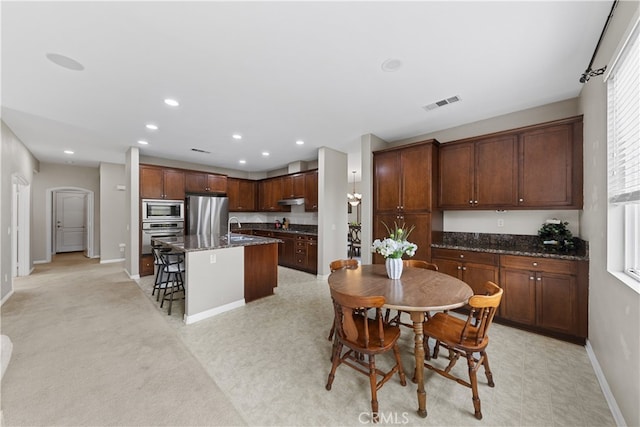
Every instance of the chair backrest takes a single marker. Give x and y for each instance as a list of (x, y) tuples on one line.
[(343, 263), (418, 263), (350, 309), (483, 309), (354, 234)]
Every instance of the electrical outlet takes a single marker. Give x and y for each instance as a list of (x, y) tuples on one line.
[(212, 259), (500, 222)]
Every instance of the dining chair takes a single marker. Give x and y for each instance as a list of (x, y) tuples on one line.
[(355, 242), (361, 336), (415, 263), (464, 337), (335, 266)]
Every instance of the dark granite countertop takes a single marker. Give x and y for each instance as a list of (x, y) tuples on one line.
[(194, 242), (508, 244), (309, 230)]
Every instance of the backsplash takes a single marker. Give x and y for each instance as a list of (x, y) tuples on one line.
[(525, 222)]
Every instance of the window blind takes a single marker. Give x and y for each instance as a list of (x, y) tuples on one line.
[(623, 123)]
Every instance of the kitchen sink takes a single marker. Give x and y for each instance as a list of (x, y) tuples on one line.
[(240, 238)]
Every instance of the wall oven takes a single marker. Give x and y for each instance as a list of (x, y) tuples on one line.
[(155, 229), (162, 210)]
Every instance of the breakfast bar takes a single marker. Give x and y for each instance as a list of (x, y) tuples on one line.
[(223, 273)]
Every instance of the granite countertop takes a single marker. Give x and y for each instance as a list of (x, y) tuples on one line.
[(507, 244), (193, 242), (308, 230)]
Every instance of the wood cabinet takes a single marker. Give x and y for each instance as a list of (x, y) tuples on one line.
[(161, 183), (242, 194), (532, 167), (480, 174), (200, 182), (550, 295), (306, 253), (311, 191), (404, 183), (293, 186), (474, 268), (147, 265), (269, 192), (260, 271)]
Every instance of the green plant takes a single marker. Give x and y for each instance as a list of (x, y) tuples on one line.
[(556, 236)]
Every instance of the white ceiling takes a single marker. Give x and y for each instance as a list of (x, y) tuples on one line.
[(276, 72)]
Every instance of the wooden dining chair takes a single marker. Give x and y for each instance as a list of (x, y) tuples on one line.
[(464, 337), (364, 336), (335, 266), (415, 263)]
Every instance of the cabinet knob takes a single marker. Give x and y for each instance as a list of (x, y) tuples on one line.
[(521, 200), (531, 278), (459, 268), (464, 268), (470, 202), (539, 279), (461, 255), (535, 264), (475, 202)]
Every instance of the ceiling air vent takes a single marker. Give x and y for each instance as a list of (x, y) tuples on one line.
[(441, 103), (197, 150)]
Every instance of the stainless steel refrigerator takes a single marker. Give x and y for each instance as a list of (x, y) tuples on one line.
[(207, 215)]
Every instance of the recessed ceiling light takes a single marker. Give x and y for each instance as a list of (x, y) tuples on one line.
[(65, 62), (236, 136), (151, 126), (242, 162), (391, 65), (265, 153), (300, 142), (171, 102), (68, 152), (142, 142)]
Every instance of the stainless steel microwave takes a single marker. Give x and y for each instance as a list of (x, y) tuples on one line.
[(162, 210)]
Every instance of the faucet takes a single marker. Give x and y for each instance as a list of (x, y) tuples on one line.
[(229, 227)]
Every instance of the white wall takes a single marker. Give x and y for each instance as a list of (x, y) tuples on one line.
[(614, 308), (53, 175), (113, 217), (15, 159)]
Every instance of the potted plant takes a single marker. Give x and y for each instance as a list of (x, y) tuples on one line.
[(392, 248), (555, 236)]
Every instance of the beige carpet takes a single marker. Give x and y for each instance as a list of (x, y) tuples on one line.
[(89, 349)]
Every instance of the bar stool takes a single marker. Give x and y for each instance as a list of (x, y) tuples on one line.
[(171, 279)]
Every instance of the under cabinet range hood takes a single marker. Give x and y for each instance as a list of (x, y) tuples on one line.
[(291, 202)]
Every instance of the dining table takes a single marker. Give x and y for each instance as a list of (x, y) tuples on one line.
[(417, 292)]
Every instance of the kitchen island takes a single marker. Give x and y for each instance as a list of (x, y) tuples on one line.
[(221, 275)]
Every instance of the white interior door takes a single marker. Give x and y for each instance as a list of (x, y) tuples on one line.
[(70, 221)]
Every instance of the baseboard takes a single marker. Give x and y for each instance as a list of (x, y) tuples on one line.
[(42, 261), (212, 312), (604, 385), (109, 261), (6, 297)]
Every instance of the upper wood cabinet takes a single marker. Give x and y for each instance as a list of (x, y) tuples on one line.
[(293, 186), (242, 194), (161, 183), (311, 191), (200, 182), (404, 179), (537, 167), (269, 192), (479, 174)]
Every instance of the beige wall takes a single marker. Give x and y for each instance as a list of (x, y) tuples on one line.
[(614, 308), (113, 217), (15, 160), (57, 176)]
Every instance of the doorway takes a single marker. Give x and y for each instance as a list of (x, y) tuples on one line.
[(20, 227), (69, 220)]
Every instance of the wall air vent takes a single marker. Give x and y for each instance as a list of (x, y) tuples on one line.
[(441, 103), (197, 150)]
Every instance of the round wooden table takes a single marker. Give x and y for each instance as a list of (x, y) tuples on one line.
[(417, 291)]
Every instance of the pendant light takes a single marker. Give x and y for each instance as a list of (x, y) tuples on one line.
[(354, 198)]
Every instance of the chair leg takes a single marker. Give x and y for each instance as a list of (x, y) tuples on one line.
[(331, 332), (396, 353), (373, 380), (334, 365), (487, 370), (473, 379)]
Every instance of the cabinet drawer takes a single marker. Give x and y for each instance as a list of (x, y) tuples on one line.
[(465, 256), (548, 265)]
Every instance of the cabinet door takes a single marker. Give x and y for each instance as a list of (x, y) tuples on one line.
[(270, 192), (216, 183), (151, 183), (447, 266), (416, 179), (545, 177), (247, 195), (293, 186), (173, 184), (195, 182), (386, 186), (312, 255), (380, 232), (311, 191), (421, 235), (557, 305), (476, 275), (519, 298), (456, 176), (496, 173)]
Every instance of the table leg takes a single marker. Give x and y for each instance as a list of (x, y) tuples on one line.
[(417, 317)]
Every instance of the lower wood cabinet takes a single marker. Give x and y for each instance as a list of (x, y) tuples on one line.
[(299, 251), (147, 265), (474, 268), (548, 295), (260, 271)]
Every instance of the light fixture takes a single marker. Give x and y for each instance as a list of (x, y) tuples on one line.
[(300, 142), (354, 198), (171, 102), (242, 162), (265, 153), (68, 152), (151, 126), (142, 142), (236, 136)]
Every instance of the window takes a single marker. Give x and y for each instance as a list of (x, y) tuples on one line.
[(623, 143)]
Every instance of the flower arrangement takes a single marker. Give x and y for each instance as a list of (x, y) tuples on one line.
[(396, 244)]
